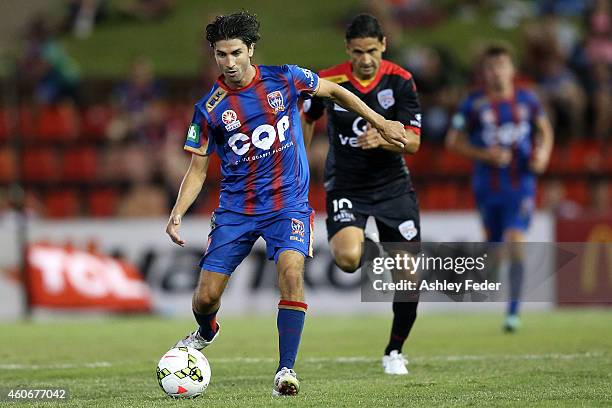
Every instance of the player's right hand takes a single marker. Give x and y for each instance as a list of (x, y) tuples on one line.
[(393, 132), (174, 223), (499, 156)]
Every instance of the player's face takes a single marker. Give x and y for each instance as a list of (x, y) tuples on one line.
[(365, 55), (498, 72), (233, 59)]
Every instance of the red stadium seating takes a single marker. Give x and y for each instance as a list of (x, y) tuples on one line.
[(95, 120), (578, 191), (61, 204), (453, 164), (7, 165), (80, 164), (102, 203), (58, 123), (40, 164)]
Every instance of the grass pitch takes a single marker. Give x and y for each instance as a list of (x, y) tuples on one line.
[(557, 358)]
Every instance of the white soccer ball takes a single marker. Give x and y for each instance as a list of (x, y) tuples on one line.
[(183, 372)]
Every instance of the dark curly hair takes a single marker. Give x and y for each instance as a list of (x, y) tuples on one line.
[(242, 25), (364, 26)]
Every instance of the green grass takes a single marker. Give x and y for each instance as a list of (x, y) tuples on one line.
[(557, 359), (304, 33)]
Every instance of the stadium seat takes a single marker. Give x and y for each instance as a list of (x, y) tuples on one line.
[(7, 165), (95, 119), (585, 156), (58, 123), (80, 164), (102, 203), (578, 191), (451, 163), (61, 204), (40, 164)]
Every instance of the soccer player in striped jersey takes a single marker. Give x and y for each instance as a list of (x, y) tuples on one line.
[(364, 174), (504, 129), (250, 119)]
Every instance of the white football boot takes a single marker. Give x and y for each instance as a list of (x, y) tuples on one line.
[(196, 341), (285, 383), (395, 363)]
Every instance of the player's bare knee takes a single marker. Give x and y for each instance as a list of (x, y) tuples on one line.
[(348, 259)]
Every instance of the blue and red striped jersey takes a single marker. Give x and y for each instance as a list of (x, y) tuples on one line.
[(509, 123), (256, 132)]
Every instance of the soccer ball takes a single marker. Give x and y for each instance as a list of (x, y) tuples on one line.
[(183, 372)]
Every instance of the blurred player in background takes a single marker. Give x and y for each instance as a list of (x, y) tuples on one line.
[(504, 129), (364, 174), (251, 120)]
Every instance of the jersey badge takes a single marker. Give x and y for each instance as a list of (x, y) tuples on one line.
[(385, 98), (276, 102)]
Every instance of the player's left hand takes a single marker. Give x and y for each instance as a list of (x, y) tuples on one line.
[(393, 132), (539, 161), (370, 139)]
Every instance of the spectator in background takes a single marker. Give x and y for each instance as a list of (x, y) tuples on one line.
[(555, 199), (82, 15), (147, 10), (144, 200), (546, 61), (598, 49), (45, 64), (136, 103), (435, 73)]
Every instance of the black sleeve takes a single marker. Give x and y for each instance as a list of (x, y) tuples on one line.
[(408, 106), (314, 108)]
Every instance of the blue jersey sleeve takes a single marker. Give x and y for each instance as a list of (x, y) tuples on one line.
[(535, 106), (461, 119), (304, 80), (198, 135)]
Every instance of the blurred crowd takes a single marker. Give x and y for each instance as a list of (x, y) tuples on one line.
[(121, 154)]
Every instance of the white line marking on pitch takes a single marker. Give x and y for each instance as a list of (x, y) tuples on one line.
[(317, 360)]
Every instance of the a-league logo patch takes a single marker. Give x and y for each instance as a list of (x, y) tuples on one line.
[(275, 99), (408, 230), (297, 227), (230, 118), (385, 98)]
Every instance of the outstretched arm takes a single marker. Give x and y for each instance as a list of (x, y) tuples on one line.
[(457, 142), (190, 188), (392, 131)]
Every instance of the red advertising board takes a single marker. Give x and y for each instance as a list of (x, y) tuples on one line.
[(66, 278)]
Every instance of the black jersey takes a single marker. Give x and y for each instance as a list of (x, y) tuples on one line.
[(392, 93)]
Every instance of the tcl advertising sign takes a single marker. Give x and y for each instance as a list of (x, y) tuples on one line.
[(67, 278)]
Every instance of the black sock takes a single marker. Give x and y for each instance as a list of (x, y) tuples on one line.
[(404, 315)]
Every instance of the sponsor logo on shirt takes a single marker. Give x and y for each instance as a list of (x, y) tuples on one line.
[(308, 75), (193, 135), (230, 118), (215, 99)]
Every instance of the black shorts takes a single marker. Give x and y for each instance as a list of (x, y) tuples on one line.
[(397, 217)]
